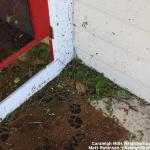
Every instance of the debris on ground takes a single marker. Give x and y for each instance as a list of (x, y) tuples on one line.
[(78, 107)]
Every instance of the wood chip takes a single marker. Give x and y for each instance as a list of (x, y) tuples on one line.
[(80, 87)]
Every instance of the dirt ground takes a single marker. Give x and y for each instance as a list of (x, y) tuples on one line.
[(61, 125), (15, 27), (23, 69), (11, 40), (60, 117)]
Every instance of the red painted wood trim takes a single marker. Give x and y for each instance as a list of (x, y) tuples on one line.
[(40, 18), (41, 27), (13, 57)]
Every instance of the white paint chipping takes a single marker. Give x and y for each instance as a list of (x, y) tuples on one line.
[(61, 21)]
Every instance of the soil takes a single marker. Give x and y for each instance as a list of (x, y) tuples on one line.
[(11, 40), (60, 117), (17, 14), (23, 69), (15, 26), (60, 125)]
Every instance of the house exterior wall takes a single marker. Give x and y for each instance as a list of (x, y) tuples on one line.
[(113, 37)]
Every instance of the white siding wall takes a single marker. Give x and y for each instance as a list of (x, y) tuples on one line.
[(113, 36)]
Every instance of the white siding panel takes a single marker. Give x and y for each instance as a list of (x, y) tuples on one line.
[(125, 36), (134, 12), (99, 49), (118, 77), (113, 37)]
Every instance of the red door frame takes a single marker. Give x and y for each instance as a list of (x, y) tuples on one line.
[(39, 13)]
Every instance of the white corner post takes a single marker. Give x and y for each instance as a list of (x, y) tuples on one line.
[(62, 22)]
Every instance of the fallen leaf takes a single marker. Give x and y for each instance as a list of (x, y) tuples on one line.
[(39, 62), (80, 87), (17, 80), (8, 19), (23, 58)]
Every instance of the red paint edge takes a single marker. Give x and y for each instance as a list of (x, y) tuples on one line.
[(41, 29)]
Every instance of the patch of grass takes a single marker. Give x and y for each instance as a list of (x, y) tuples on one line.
[(47, 110), (122, 93), (17, 80), (41, 50), (63, 88), (98, 85), (142, 102), (10, 117)]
